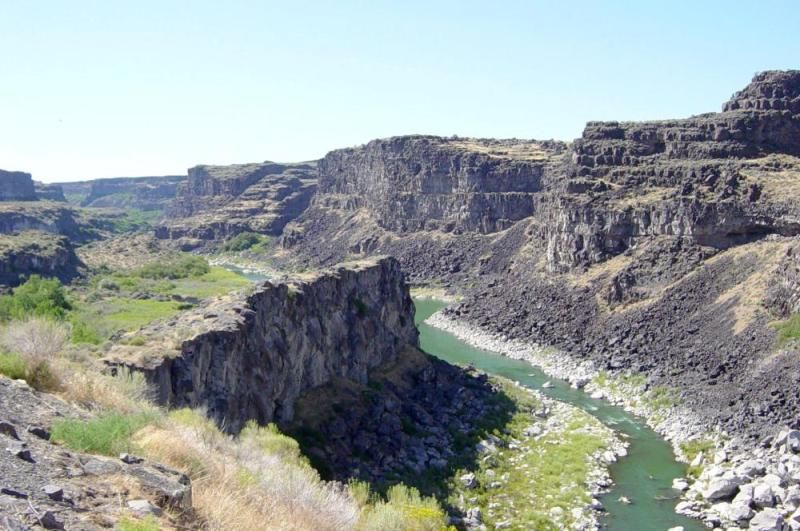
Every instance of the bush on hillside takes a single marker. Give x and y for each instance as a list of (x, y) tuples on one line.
[(242, 242), (37, 341), (37, 297), (185, 267)]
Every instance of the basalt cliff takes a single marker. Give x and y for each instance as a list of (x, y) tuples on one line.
[(250, 356), (217, 202), (664, 247)]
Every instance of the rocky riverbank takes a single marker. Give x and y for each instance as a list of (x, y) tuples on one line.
[(725, 472)]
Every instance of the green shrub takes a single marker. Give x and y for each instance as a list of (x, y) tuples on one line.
[(83, 332), (361, 491), (108, 285), (242, 242), (269, 439), (36, 297), (697, 446), (12, 365), (109, 434), (404, 509), (789, 330), (37, 341), (185, 267), (145, 524)]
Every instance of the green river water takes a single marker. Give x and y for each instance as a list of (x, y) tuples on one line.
[(644, 476)]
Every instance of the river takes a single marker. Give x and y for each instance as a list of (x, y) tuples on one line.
[(644, 476)]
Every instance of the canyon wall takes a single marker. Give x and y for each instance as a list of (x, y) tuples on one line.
[(144, 193), (217, 202), (251, 356), (415, 183), (36, 253), (16, 186)]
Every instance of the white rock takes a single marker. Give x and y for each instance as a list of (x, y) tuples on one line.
[(143, 508), (745, 495), (686, 508), (679, 528), (767, 520), (720, 457), (773, 480), (698, 460), (763, 496), (547, 385), (793, 441), (469, 480), (751, 468), (794, 521), (680, 484), (791, 497), (733, 512), (720, 488)]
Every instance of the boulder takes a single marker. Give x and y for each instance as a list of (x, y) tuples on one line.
[(721, 488), (763, 496), (469, 480), (767, 520)]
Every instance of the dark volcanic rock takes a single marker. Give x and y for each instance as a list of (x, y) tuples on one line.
[(49, 192), (250, 357), (16, 186), (145, 193), (217, 202), (655, 247), (414, 183), (36, 253)]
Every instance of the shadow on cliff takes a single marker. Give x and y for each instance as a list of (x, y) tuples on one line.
[(418, 421)]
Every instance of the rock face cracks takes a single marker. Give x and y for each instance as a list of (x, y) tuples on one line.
[(251, 356)]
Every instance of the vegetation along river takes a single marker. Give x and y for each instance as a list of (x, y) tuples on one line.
[(644, 476)]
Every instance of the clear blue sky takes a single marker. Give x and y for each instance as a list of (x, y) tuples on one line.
[(104, 88)]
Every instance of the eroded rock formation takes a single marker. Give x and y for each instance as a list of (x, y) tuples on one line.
[(36, 253), (221, 201), (251, 356), (16, 186)]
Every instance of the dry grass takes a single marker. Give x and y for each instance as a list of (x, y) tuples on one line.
[(37, 340), (504, 149), (746, 297), (597, 272), (778, 176), (244, 483), (646, 197), (126, 393)]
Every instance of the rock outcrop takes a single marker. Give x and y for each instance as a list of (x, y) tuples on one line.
[(645, 246), (45, 486), (16, 186), (251, 356), (36, 253), (49, 192), (415, 183), (217, 202), (144, 193)]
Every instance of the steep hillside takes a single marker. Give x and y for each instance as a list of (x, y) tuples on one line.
[(250, 357), (143, 193), (644, 246), (217, 202)]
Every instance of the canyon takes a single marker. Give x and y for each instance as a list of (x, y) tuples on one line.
[(660, 256)]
